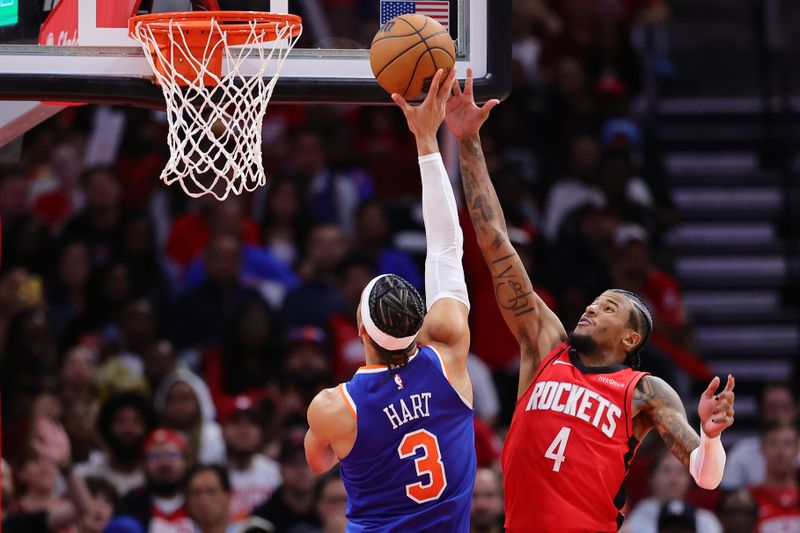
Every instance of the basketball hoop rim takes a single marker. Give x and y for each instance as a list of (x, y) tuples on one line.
[(233, 23)]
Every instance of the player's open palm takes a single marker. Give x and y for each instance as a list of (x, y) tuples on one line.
[(51, 441), (716, 410), (464, 117), (426, 118)]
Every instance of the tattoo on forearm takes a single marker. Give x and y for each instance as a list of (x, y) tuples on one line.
[(512, 290), (483, 207), (661, 404)]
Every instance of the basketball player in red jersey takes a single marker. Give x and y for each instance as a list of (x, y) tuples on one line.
[(582, 407)]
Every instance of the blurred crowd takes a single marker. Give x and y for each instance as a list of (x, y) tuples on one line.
[(157, 354)]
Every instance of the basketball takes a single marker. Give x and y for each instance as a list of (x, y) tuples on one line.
[(406, 53)]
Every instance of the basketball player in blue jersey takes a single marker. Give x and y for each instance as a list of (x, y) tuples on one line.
[(402, 427)]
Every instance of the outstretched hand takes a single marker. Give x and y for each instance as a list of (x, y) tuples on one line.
[(464, 117), (425, 119), (716, 410), (50, 441)]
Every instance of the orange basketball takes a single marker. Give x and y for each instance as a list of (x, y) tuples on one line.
[(406, 53)]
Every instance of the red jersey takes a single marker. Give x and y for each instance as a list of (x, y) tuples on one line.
[(778, 510), (569, 446)]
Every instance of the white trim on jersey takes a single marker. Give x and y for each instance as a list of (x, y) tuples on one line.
[(349, 398), (444, 373)]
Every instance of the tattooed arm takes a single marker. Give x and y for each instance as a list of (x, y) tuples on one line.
[(536, 328), (657, 405)]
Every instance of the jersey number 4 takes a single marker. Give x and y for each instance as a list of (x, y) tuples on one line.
[(557, 447), (429, 464)]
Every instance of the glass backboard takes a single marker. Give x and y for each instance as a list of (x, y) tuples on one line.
[(79, 50)]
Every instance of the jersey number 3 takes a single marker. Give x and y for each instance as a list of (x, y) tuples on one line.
[(557, 447), (429, 464)]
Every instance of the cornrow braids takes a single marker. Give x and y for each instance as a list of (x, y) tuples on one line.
[(397, 309), (642, 321)]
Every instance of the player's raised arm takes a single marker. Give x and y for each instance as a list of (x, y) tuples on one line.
[(536, 328), (446, 322), (659, 407)]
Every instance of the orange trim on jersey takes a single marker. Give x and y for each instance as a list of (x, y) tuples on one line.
[(347, 401), (371, 367)]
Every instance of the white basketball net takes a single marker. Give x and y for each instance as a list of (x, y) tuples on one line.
[(215, 127)]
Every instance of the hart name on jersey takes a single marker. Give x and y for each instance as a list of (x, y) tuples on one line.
[(419, 409)]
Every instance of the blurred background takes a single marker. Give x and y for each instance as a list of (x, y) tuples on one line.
[(650, 145)]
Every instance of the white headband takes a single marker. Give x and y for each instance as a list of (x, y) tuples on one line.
[(382, 339)]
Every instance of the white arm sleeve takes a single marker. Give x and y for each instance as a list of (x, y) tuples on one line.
[(707, 462), (444, 274)]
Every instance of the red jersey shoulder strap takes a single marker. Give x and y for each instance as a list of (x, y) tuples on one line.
[(636, 376)]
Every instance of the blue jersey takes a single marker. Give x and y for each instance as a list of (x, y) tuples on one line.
[(412, 468)]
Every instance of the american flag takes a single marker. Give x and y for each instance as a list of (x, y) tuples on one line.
[(437, 10)]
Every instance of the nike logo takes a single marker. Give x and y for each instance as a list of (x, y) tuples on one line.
[(562, 363)]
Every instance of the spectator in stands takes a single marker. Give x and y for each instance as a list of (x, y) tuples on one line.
[(193, 231), (254, 476), (248, 356), (737, 511), (101, 509), (669, 481), (160, 505), (292, 504), (14, 191), (285, 222), (80, 420), (306, 369), (575, 191), (67, 294), (78, 371), (677, 516), (331, 197), (379, 136), (746, 465), (123, 423), (627, 194), (110, 292), (348, 351), (159, 359), (208, 500), (26, 241), (150, 275), (487, 503), (58, 196), (39, 509), (184, 403), (138, 328), (30, 365), (203, 311), (777, 496), (258, 267), (578, 265), (632, 269), (318, 297), (101, 223), (331, 502), (372, 237)]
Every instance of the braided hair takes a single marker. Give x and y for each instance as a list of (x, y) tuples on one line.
[(641, 320), (397, 309)]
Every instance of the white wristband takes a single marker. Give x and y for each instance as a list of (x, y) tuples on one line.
[(707, 462)]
